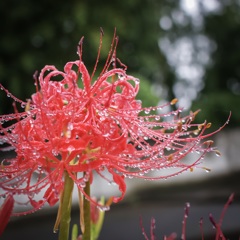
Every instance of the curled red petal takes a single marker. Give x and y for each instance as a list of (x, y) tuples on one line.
[(51, 196), (119, 180)]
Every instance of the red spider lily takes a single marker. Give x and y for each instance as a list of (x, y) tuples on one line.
[(95, 128)]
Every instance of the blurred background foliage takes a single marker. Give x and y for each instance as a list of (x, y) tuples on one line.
[(189, 49)]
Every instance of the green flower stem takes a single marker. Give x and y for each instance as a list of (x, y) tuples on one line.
[(87, 214), (66, 207)]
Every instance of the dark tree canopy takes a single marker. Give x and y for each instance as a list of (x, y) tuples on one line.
[(222, 79), (36, 33)]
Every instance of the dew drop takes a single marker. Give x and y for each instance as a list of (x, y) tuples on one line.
[(103, 208), (218, 154), (54, 152), (31, 194), (147, 111), (82, 184), (70, 126), (120, 77), (138, 101), (112, 183), (137, 80), (207, 170), (3, 196), (70, 148)]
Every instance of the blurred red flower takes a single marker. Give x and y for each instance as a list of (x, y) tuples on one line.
[(5, 212)]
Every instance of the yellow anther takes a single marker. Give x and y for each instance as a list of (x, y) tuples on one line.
[(174, 101), (196, 112), (200, 126), (179, 127), (109, 202), (65, 102), (113, 108), (208, 125), (209, 142), (196, 132), (27, 107), (170, 157)]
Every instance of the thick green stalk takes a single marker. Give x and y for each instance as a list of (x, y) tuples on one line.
[(87, 214), (66, 207)]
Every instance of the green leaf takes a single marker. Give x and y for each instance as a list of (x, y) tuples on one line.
[(75, 232)]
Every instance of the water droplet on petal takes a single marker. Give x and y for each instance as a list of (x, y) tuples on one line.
[(147, 111), (70, 148), (54, 152), (218, 154), (103, 208), (207, 170)]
